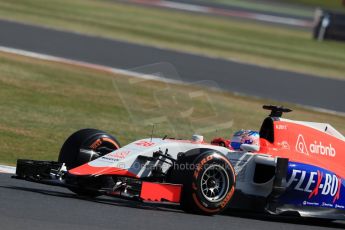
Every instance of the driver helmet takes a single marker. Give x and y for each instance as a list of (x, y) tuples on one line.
[(246, 140)]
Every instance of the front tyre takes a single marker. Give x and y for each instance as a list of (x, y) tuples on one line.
[(98, 141), (72, 155), (208, 183)]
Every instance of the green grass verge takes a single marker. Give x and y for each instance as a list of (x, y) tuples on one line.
[(328, 4), (304, 8), (271, 46), (264, 6), (42, 103)]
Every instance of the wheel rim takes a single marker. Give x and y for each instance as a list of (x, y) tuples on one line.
[(214, 183)]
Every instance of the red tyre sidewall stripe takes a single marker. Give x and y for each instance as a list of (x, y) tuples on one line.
[(95, 144)]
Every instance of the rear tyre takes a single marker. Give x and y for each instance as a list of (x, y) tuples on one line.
[(101, 143), (208, 182)]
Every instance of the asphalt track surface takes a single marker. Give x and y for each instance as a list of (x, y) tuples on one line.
[(26, 205), (246, 79)]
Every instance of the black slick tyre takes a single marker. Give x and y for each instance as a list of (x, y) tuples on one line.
[(70, 154)]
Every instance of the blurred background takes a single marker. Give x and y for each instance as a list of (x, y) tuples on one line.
[(187, 66)]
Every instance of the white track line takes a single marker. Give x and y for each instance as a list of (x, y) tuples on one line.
[(47, 57), (7, 169)]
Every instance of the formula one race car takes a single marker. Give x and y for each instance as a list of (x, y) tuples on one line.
[(298, 169)]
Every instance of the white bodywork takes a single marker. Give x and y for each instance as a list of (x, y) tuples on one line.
[(126, 158), (323, 127)]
